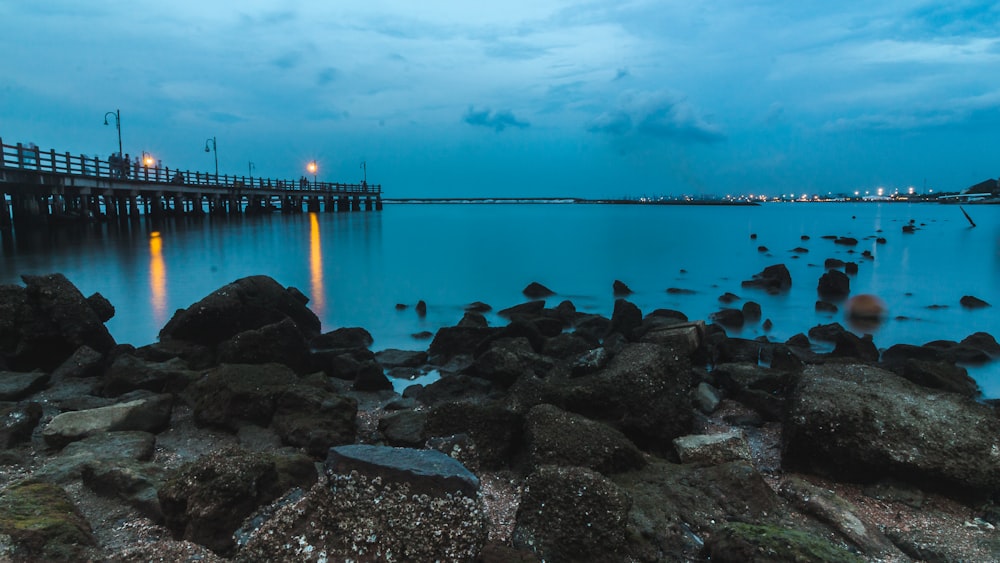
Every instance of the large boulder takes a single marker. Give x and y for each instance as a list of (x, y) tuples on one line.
[(644, 392), (245, 304), (280, 342), (572, 514), (206, 500), (556, 437), (834, 284), (150, 413), (507, 359), (861, 423), (314, 419), (495, 430), (39, 522), (130, 373), (232, 395), (626, 318), (378, 504), (43, 323)]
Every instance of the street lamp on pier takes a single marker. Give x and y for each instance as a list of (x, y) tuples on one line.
[(251, 167), (214, 148), (364, 168), (117, 114), (147, 159), (311, 167)]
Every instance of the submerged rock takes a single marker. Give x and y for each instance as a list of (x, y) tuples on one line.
[(773, 279)]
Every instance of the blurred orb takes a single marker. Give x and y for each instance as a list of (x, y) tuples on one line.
[(865, 312)]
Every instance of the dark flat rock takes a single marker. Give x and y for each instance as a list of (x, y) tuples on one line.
[(427, 471)]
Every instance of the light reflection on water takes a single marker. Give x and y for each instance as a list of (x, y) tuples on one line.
[(356, 267)]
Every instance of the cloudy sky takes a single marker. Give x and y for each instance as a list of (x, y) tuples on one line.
[(522, 97)]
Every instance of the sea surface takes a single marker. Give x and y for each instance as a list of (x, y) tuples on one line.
[(356, 267)]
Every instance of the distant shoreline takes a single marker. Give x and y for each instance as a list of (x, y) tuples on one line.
[(564, 200)]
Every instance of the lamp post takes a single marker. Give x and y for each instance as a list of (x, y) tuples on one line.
[(364, 168), (311, 167), (117, 114), (215, 149), (147, 159), (251, 168)]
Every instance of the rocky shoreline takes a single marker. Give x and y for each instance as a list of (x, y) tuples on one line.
[(249, 434)]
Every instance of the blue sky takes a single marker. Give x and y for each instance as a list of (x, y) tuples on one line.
[(521, 98)]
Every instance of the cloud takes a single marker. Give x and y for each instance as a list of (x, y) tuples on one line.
[(622, 73), (326, 76), (496, 120), (657, 115), (288, 60)]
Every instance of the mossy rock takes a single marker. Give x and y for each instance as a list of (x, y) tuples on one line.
[(737, 542), (38, 521)]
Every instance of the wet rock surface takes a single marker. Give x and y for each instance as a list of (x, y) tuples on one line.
[(247, 434)]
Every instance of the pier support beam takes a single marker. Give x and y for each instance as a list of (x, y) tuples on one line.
[(356, 203), (6, 223)]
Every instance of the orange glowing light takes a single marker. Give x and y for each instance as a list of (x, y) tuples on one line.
[(311, 167), (148, 160), (316, 265), (157, 278)]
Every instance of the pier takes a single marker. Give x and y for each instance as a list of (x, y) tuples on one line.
[(46, 187)]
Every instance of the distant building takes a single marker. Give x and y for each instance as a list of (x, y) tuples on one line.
[(990, 186)]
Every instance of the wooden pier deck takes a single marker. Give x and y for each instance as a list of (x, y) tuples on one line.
[(43, 186)]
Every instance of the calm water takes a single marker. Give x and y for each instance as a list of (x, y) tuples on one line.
[(357, 266)]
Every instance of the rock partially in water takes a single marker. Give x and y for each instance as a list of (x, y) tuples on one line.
[(535, 290), (973, 302), (773, 279)]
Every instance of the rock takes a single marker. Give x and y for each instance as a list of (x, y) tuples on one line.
[(149, 414), (85, 362), (773, 279), (620, 289), (712, 449), (371, 377), (556, 437), (43, 323), (495, 430), (531, 309), (680, 291), (17, 422), (972, 302), (800, 250), (939, 375), (280, 343), (729, 318), (135, 483), (851, 268), (206, 500), (403, 429), (762, 248), (245, 304), (473, 319), (675, 506), (590, 362), (684, 338), (449, 388), (110, 447), (982, 341), (645, 392), (593, 327), (625, 319), (454, 341), (342, 338), (314, 419), (834, 284), (751, 311), (833, 264), (728, 298), (425, 471), (371, 515), (738, 542), (393, 358), (15, 386), (572, 514), (861, 423), (825, 307), (129, 373), (507, 359), (342, 363), (39, 522), (478, 307), (566, 345), (234, 394), (535, 290), (706, 398), (763, 389), (841, 515), (194, 355), (846, 241), (668, 314), (849, 345), (102, 307)]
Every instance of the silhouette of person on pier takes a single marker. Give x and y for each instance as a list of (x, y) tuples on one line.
[(114, 164), (125, 165)]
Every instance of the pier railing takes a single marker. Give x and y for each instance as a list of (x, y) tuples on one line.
[(23, 157)]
